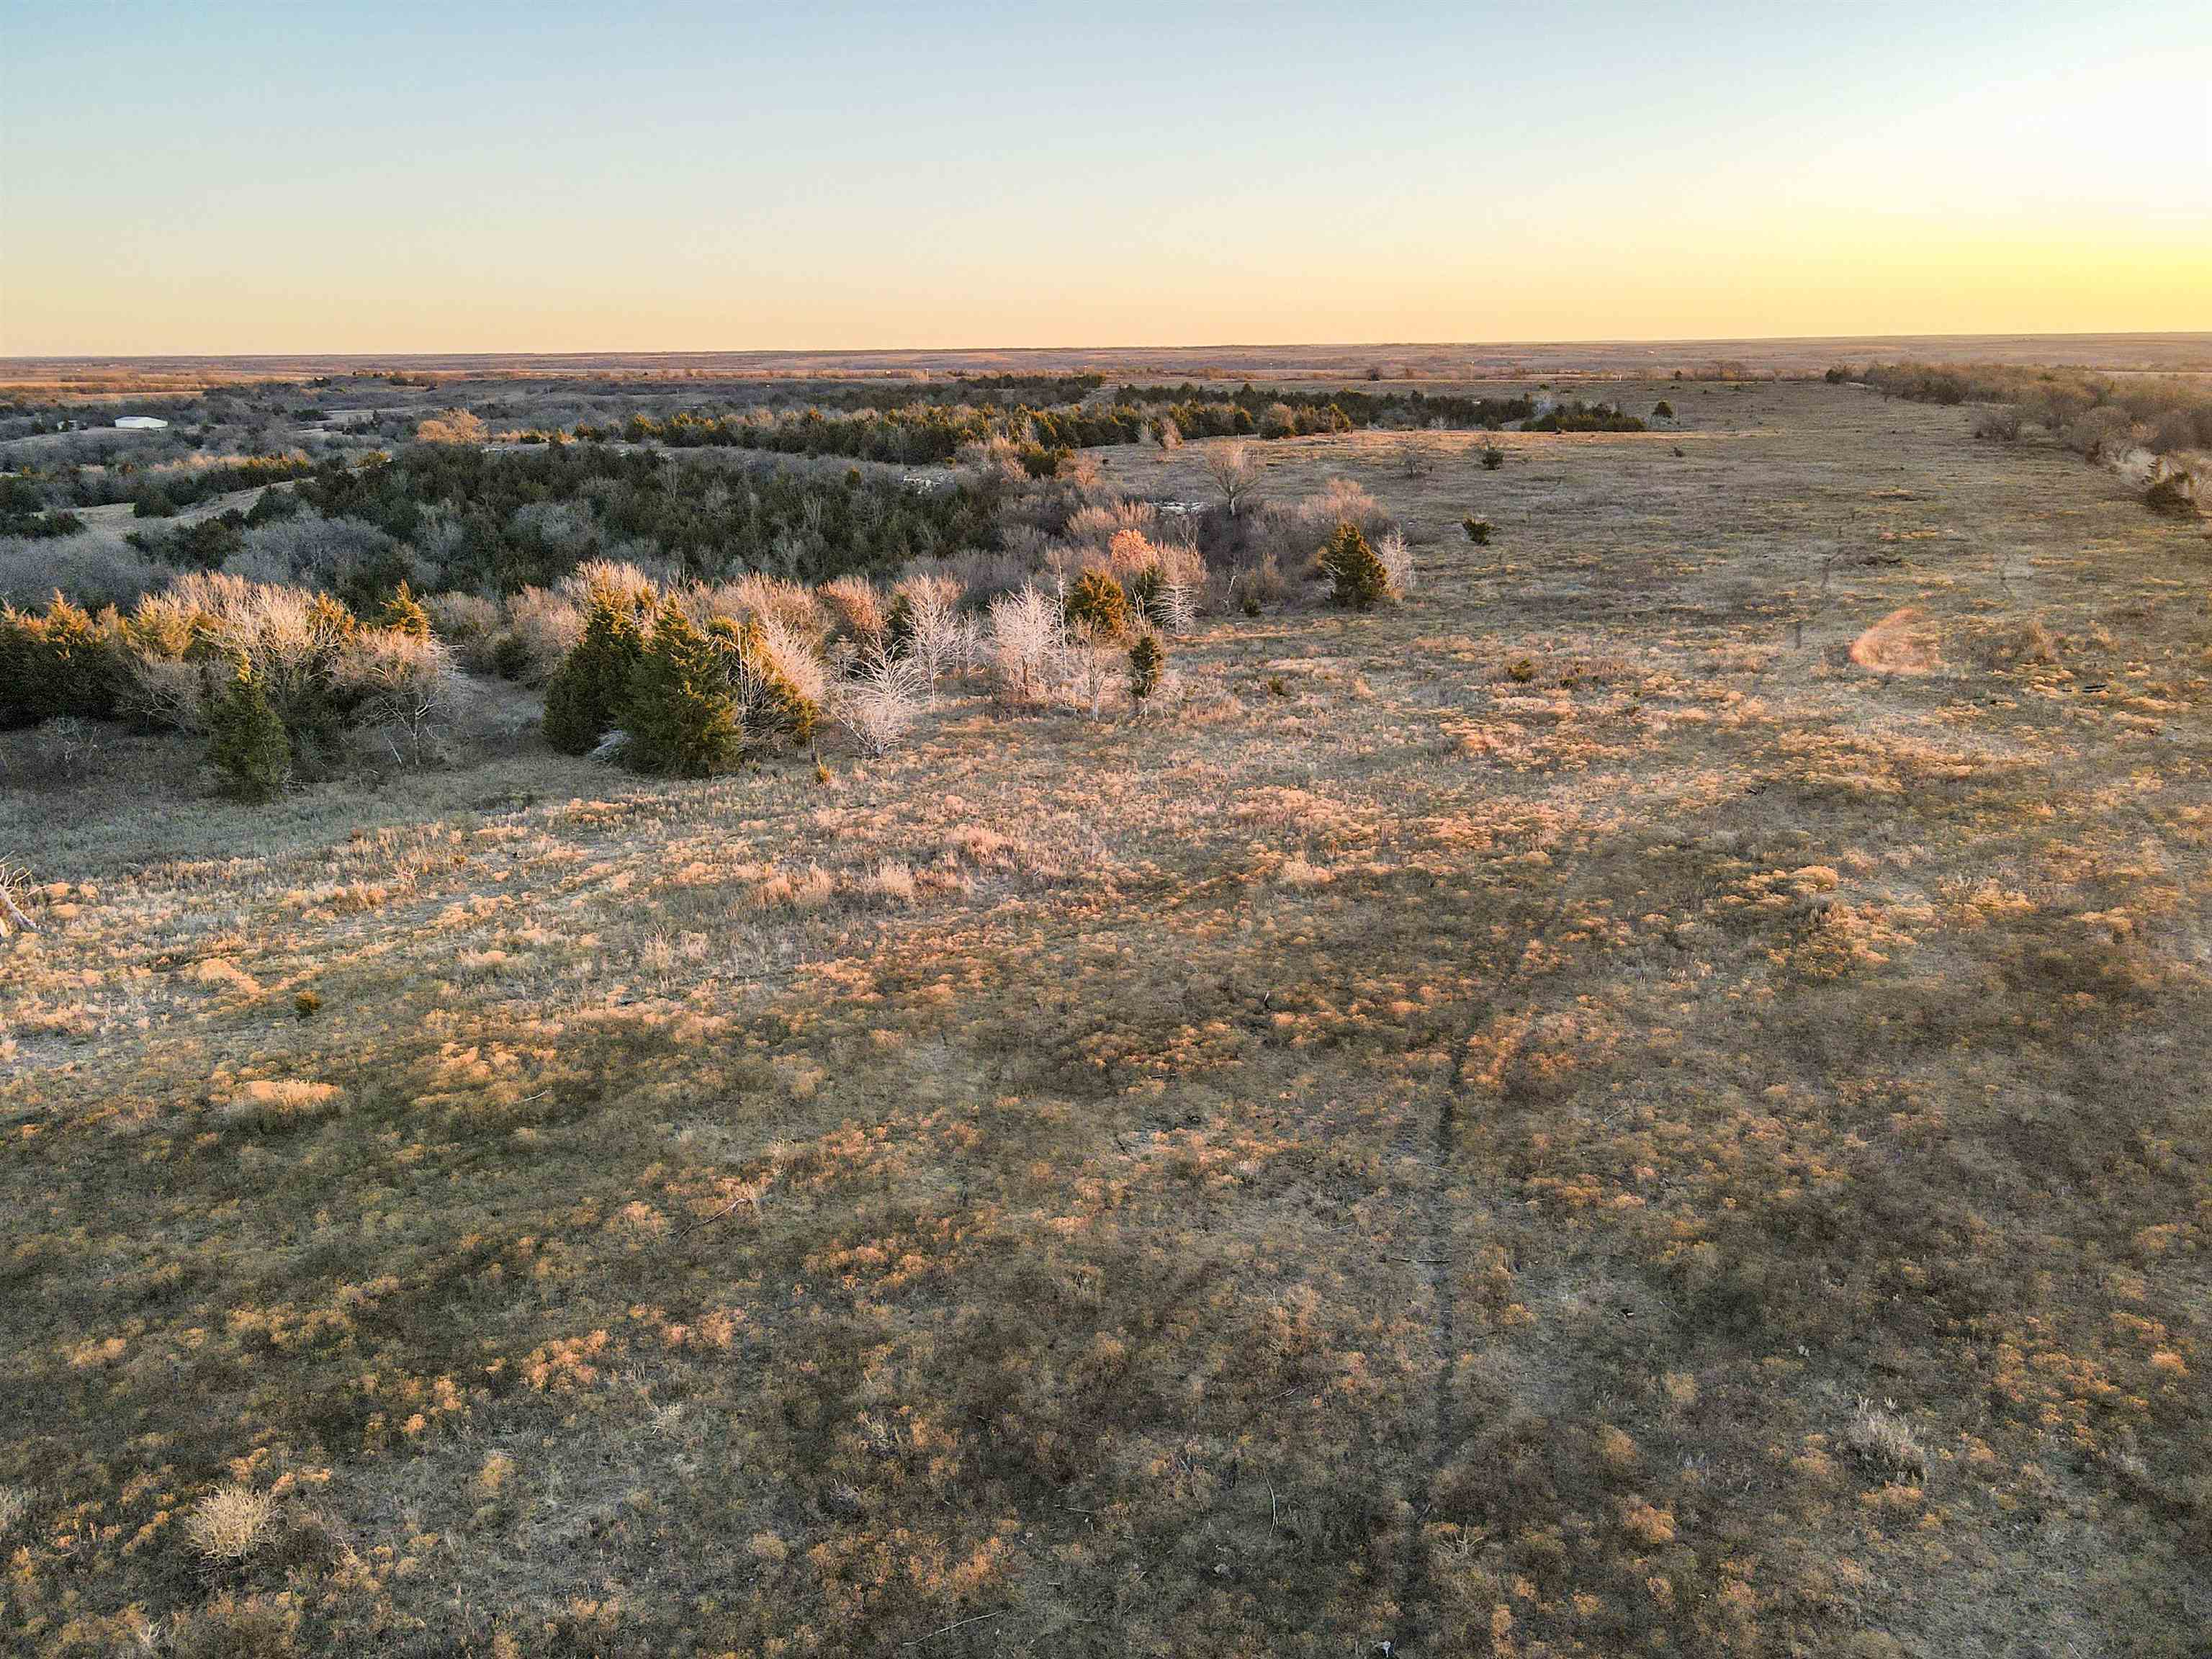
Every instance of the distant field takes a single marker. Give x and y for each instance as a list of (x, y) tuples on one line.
[(1654, 1098), (2188, 352)]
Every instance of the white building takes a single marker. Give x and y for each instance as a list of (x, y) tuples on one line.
[(139, 423)]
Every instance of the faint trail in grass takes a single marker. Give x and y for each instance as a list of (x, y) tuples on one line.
[(1436, 1260)]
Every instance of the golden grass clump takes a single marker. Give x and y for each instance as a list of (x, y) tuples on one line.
[(230, 1523)]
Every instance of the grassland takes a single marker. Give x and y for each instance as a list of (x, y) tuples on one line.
[(1653, 1098)]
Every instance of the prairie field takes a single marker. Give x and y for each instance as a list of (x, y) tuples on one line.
[(1654, 1097)]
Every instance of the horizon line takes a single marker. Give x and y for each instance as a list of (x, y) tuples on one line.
[(1651, 341)]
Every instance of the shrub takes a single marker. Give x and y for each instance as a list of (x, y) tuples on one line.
[(404, 612), (64, 661), (2171, 492), (272, 505), (543, 627), (1027, 638), (1146, 662), (585, 700), (396, 680), (1231, 470), (1478, 531), (2002, 424), (93, 570), (289, 642), (1492, 458), (1397, 562), (1350, 563), (881, 702), (231, 1523), (1097, 601), (680, 710), (1662, 410), (934, 635), (247, 741), (780, 679), (855, 607), (452, 426)]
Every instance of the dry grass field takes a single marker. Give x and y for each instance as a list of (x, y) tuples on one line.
[(1653, 1098)]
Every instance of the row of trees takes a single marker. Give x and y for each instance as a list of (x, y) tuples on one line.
[(923, 434), (503, 522)]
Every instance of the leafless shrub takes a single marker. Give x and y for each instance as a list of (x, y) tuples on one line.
[(94, 569), (566, 528), (169, 691), (286, 636), (984, 576), (932, 640), (619, 579), (791, 605), (545, 626), (403, 683), (784, 652), (1090, 674), (329, 554), (857, 607), (997, 457), (1098, 524), (68, 747), (452, 426), (2104, 433), (1397, 563), (462, 619), (2001, 424), (881, 703), (1027, 638)]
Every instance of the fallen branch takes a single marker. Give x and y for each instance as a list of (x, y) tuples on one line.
[(957, 1623)]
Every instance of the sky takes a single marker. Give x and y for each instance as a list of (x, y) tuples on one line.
[(640, 175)]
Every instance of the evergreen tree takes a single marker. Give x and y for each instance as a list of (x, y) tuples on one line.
[(681, 713), (247, 740), (404, 612), (1350, 564), (585, 699), (1098, 599), (1146, 661)]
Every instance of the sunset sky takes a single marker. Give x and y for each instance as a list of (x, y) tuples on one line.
[(403, 177)]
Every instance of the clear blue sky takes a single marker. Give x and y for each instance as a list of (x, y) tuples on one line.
[(228, 178)]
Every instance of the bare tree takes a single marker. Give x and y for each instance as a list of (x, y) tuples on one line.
[(1232, 470)]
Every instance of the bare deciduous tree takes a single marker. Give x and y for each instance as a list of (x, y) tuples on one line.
[(1232, 470)]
